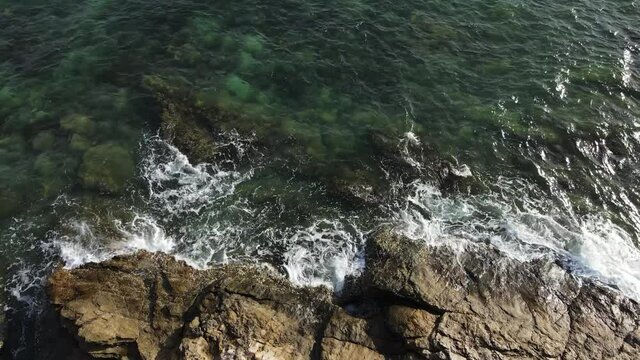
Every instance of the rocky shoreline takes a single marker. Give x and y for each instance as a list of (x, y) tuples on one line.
[(411, 302)]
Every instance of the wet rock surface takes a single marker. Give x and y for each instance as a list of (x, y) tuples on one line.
[(209, 130), (411, 302)]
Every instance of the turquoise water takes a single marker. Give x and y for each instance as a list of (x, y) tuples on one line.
[(540, 100)]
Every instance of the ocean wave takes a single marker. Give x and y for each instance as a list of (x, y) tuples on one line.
[(524, 229), (194, 214)]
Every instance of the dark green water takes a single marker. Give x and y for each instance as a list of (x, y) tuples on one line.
[(540, 100)]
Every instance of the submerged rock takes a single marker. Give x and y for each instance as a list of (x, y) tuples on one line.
[(454, 177), (239, 88), (44, 140), (253, 44), (191, 124), (10, 201), (355, 187), (78, 124), (403, 155), (107, 168), (412, 302)]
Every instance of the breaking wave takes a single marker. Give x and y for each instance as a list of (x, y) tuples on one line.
[(324, 253), (177, 186), (524, 229), (193, 213), (82, 244)]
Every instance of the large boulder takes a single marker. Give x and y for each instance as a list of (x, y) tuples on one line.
[(493, 307), (150, 306)]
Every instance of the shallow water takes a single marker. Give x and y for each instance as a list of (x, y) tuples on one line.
[(540, 100)]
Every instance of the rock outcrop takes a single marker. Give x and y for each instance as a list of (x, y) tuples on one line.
[(491, 307), (150, 306), (411, 302)]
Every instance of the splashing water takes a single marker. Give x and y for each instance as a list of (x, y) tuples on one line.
[(192, 213), (330, 248), (177, 186), (594, 245), (324, 253), (82, 245)]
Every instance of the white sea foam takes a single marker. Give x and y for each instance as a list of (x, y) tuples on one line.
[(324, 253), (627, 63), (179, 187), (216, 227), (523, 231), (212, 227), (82, 244)]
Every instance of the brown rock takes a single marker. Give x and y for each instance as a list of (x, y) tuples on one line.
[(494, 307), (150, 306), (333, 349), (412, 302), (346, 328), (604, 326), (412, 324), (195, 349), (130, 306)]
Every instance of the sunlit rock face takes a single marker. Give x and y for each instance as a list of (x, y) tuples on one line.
[(411, 302)]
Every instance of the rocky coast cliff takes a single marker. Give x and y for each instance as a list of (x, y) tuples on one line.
[(411, 302)]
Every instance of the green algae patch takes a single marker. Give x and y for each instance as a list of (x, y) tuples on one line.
[(247, 62), (79, 143), (12, 148), (239, 88), (9, 203), (205, 31), (253, 44), (107, 168), (78, 123), (44, 140), (45, 165), (51, 169), (8, 101)]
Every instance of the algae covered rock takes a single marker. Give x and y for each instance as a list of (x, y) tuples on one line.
[(247, 61), (355, 187), (9, 203), (205, 31), (50, 168), (182, 122), (239, 88), (78, 123), (253, 44), (44, 140), (79, 143), (46, 164), (107, 168)]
